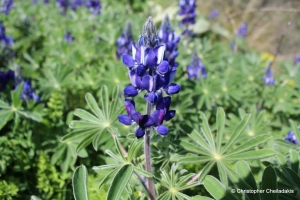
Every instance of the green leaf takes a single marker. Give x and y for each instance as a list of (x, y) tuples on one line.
[(5, 116), (193, 148), (269, 181), (197, 137), (251, 155), (221, 119), (194, 159), (94, 106), (16, 96), (134, 149), (206, 170), (222, 174), (245, 173), (207, 132), (86, 116), (143, 172), (198, 197), (237, 131), (79, 183), (119, 182), (250, 144), (294, 158), (216, 189)]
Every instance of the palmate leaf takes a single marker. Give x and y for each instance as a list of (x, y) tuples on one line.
[(15, 110), (91, 126), (211, 151), (175, 182)]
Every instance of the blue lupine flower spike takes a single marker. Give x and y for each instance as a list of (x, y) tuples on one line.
[(213, 14), (68, 37), (188, 12), (196, 68), (268, 78), (63, 6), (7, 5), (242, 31), (124, 42), (94, 6), (150, 71), (168, 38), (292, 138)]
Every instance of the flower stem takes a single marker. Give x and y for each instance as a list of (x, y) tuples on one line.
[(147, 151)]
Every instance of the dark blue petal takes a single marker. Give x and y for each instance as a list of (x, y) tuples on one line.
[(130, 106), (124, 119), (130, 91), (140, 132), (128, 60), (163, 67), (173, 89), (162, 130), (169, 115), (151, 59), (137, 117), (147, 121), (141, 70)]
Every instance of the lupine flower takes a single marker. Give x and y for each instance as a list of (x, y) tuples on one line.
[(5, 78), (143, 121), (297, 59), (68, 37), (7, 5), (35, 1), (214, 14), (196, 67), (124, 42), (4, 39), (62, 5), (46, 1), (94, 6), (242, 31), (28, 93), (148, 71), (292, 138), (188, 11), (268, 78), (76, 3), (167, 37)]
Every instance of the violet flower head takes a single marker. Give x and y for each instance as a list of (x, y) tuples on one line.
[(268, 78), (242, 31), (7, 5), (5, 78), (76, 3), (188, 12), (214, 13), (28, 93), (149, 72), (4, 39), (63, 6), (291, 138), (46, 1), (297, 59), (124, 42), (196, 68), (94, 6), (34, 1), (168, 38), (68, 37)]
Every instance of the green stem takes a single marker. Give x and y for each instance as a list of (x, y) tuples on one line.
[(147, 151)]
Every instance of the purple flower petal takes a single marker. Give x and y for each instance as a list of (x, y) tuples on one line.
[(141, 70), (137, 117), (163, 103), (147, 121), (124, 119), (140, 132), (173, 89), (130, 91), (130, 106), (128, 60), (162, 130), (169, 115), (163, 67), (151, 59), (145, 83)]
